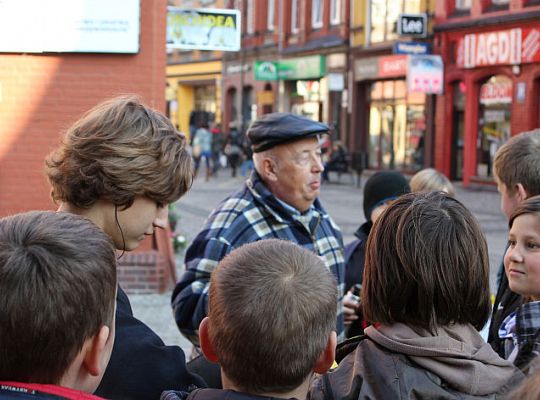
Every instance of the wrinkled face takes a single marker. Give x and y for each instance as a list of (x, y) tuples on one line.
[(137, 222), (298, 171), (509, 201), (522, 259)]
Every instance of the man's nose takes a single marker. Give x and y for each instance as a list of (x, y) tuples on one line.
[(162, 218), (318, 164)]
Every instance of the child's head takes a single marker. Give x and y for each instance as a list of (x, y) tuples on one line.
[(58, 286), (380, 188), (426, 264), (517, 169), (271, 318), (522, 258), (117, 151), (429, 179)]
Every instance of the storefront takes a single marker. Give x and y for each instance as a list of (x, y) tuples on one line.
[(391, 110), (491, 93)]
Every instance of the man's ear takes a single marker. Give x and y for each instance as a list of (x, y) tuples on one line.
[(521, 192), (269, 169), (96, 350), (328, 355), (207, 347)]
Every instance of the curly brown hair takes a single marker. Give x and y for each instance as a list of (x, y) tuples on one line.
[(118, 150)]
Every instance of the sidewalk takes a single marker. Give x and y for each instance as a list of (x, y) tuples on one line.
[(342, 200)]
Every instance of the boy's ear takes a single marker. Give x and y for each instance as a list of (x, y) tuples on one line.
[(96, 350), (521, 192), (207, 347), (328, 355)]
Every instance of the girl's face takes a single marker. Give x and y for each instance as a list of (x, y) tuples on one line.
[(522, 259)]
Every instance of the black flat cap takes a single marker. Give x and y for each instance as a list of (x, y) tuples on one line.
[(278, 128)]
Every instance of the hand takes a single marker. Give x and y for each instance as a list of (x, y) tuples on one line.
[(350, 307)]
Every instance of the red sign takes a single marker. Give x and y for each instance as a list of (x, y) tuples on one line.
[(498, 92), (508, 47), (391, 66)]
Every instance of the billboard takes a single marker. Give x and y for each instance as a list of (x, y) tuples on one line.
[(203, 29), (425, 74), (84, 26)]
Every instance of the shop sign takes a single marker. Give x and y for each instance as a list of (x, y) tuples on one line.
[(203, 29), (412, 25), (425, 74), (496, 92), (380, 67), (311, 67), (237, 68), (265, 97), (521, 90), (507, 47), (336, 82), (411, 48)]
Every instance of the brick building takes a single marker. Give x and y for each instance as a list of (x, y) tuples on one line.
[(491, 50), (41, 94)]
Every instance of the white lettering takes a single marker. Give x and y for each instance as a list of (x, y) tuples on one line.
[(504, 47), (491, 48)]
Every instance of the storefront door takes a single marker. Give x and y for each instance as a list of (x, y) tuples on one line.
[(458, 130)]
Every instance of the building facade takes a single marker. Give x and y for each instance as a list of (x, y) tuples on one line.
[(491, 50)]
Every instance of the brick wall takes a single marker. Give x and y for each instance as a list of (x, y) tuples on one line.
[(43, 94)]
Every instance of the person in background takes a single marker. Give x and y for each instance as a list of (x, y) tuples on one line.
[(516, 168), (380, 189), (337, 160), (426, 285), (270, 325), (202, 148), (233, 148), (429, 179), (120, 165), (58, 285), (218, 143)]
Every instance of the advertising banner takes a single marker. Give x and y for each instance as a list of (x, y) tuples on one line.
[(203, 29), (507, 47), (303, 68), (425, 74)]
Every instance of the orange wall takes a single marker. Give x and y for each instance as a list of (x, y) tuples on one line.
[(42, 94)]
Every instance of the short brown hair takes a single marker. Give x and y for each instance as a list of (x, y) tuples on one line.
[(57, 285), (518, 161), (430, 180), (118, 150), (426, 264), (528, 206), (272, 307)]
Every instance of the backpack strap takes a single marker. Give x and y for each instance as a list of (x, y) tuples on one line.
[(347, 347)]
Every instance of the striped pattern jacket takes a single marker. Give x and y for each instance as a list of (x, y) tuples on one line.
[(252, 214)]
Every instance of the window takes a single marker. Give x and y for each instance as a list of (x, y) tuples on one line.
[(270, 15), (384, 15), (294, 16), (250, 17), (463, 5), (317, 13), (335, 12)]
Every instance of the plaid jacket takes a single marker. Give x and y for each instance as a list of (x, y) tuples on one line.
[(252, 214)]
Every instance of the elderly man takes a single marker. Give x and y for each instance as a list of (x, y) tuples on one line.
[(279, 200)]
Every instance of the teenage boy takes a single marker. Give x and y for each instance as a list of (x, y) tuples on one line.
[(271, 322), (58, 285), (517, 170)]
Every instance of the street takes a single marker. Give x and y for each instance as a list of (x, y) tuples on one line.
[(342, 200)]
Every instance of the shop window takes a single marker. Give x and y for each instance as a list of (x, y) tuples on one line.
[(317, 13), (306, 99), (494, 121), (294, 16), (249, 108), (530, 3), (461, 8), (335, 12), (383, 17), (458, 129), (497, 5), (270, 15), (232, 113), (397, 127)]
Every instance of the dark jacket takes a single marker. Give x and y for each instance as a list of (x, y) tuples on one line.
[(398, 362), (213, 394), (506, 302), (38, 391), (141, 366)]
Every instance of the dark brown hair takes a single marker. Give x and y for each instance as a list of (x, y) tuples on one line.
[(119, 150), (272, 308), (518, 161), (57, 285), (528, 206), (426, 264)]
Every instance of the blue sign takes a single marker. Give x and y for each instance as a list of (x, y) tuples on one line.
[(415, 48)]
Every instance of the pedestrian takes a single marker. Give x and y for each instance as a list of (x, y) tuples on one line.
[(120, 165), (516, 168), (429, 179), (520, 330), (218, 143), (426, 288), (380, 189), (233, 149), (202, 148), (337, 161), (58, 285), (265, 296), (279, 200)]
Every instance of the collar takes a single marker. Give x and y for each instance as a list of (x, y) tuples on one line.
[(44, 390)]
